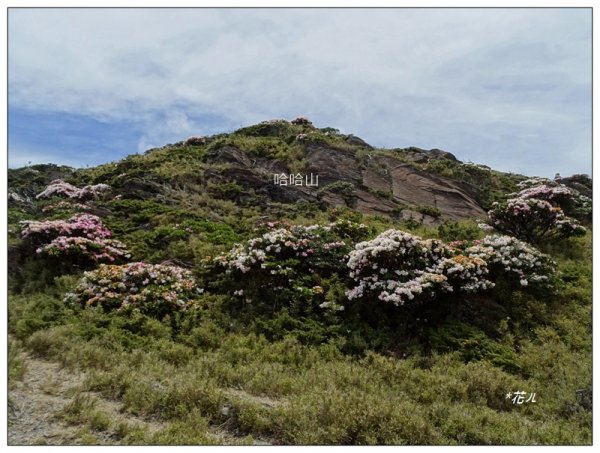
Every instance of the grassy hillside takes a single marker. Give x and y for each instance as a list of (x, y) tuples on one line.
[(291, 359)]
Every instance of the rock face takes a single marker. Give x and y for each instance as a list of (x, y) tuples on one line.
[(332, 165), (410, 186), (376, 185)]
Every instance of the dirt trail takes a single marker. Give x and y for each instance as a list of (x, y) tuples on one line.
[(32, 404), (45, 390)]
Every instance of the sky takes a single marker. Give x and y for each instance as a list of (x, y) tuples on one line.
[(508, 88)]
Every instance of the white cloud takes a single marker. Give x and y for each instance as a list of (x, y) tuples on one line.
[(446, 78)]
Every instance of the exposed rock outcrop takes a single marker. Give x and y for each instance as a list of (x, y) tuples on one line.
[(382, 185)]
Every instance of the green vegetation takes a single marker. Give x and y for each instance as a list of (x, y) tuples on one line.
[(272, 350), (345, 189), (429, 210), (16, 363)]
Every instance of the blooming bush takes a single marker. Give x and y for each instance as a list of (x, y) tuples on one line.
[(301, 121), (288, 263), (60, 188), (93, 191), (569, 200), (83, 239), (522, 264), (533, 220), (535, 181), (541, 210), (81, 225), (153, 289), (84, 249), (196, 141), (398, 267)]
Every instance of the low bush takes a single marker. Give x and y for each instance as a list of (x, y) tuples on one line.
[(289, 266), (398, 268), (153, 289), (82, 240), (472, 344)]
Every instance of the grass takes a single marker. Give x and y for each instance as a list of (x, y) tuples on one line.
[(319, 395), (210, 376), (16, 363), (209, 367), (94, 425), (82, 411)]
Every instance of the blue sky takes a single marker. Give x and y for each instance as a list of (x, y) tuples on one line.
[(509, 88)]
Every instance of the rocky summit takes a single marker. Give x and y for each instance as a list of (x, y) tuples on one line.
[(252, 166)]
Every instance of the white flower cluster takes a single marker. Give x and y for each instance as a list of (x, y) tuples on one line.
[(467, 273), (398, 267), (567, 198), (525, 205), (535, 214), (292, 241), (546, 192), (154, 289), (515, 258), (281, 263), (536, 181), (60, 188)]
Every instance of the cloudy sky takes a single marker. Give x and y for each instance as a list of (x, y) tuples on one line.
[(509, 88)]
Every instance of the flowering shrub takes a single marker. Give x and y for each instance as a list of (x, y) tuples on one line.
[(60, 188), (540, 211), (533, 220), (93, 191), (83, 238), (195, 141), (153, 289), (569, 200), (301, 121), (523, 265), (80, 248), (398, 267), (288, 262), (535, 181), (82, 225), (14, 196)]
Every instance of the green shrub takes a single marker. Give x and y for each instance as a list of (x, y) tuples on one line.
[(345, 189), (459, 231), (431, 211), (472, 344), (17, 365)]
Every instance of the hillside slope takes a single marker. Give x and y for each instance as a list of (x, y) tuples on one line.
[(428, 186), (201, 302)]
